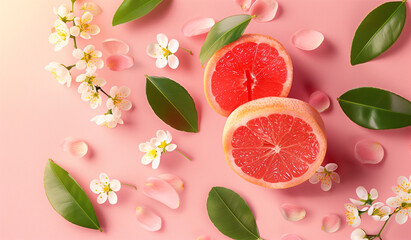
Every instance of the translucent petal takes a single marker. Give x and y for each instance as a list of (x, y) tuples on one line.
[(369, 152), (95, 186), (161, 135), (326, 183), (331, 167), (361, 193), (119, 62), (102, 198), (75, 147), (148, 219), (160, 190), (289, 236), (292, 212), (173, 45), (115, 185), (307, 39), (173, 61), (264, 9), (373, 194), (162, 40), (319, 100), (173, 180), (104, 179), (331, 223), (112, 197), (161, 62), (402, 216), (198, 26), (115, 46), (152, 49), (171, 147), (145, 147), (316, 178)]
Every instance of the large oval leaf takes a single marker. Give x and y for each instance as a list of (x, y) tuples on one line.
[(376, 108), (68, 198), (222, 33), (172, 103), (130, 10), (378, 31), (231, 214)]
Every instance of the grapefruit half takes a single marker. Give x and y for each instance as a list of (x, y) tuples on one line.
[(252, 67), (275, 142)]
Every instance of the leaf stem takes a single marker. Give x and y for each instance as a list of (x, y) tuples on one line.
[(183, 155), (189, 51), (130, 185)]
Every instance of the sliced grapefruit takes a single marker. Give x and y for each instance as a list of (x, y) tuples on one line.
[(254, 66), (275, 142)]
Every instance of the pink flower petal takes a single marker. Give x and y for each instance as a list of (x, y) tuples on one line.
[(115, 46), (173, 180), (289, 236), (244, 4), (203, 238), (119, 62), (331, 223), (292, 212), (307, 39), (76, 147), (148, 219), (369, 152), (320, 101), (265, 10), (160, 190), (197, 26)]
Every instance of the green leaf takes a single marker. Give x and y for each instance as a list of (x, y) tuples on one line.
[(172, 103), (231, 214), (130, 10), (378, 31), (68, 198), (376, 108), (222, 33)]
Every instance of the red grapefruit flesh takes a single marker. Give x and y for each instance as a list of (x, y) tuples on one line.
[(275, 142), (252, 67)]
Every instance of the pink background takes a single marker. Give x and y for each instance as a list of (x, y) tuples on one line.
[(37, 114)]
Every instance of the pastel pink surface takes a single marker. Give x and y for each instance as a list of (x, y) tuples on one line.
[(38, 113)]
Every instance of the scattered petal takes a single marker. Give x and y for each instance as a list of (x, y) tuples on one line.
[(265, 10), (173, 180), (244, 4), (331, 223), (369, 152), (307, 39), (292, 212), (148, 219), (76, 147), (119, 62), (160, 190), (320, 101), (289, 236), (197, 26), (203, 238), (115, 46)]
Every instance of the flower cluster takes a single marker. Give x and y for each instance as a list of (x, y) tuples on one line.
[(156, 147), (366, 204), (89, 60)]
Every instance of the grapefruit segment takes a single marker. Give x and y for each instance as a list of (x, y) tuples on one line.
[(252, 67), (275, 142)]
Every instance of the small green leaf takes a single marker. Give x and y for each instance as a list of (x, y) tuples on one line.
[(378, 31), (231, 214), (130, 10), (376, 108), (222, 33), (68, 198), (172, 103)]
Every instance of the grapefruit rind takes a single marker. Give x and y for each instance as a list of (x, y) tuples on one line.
[(257, 38), (264, 107)]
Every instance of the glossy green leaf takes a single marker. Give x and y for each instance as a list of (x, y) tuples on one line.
[(222, 33), (231, 214), (172, 103), (376, 108), (378, 32), (68, 198), (130, 10)]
